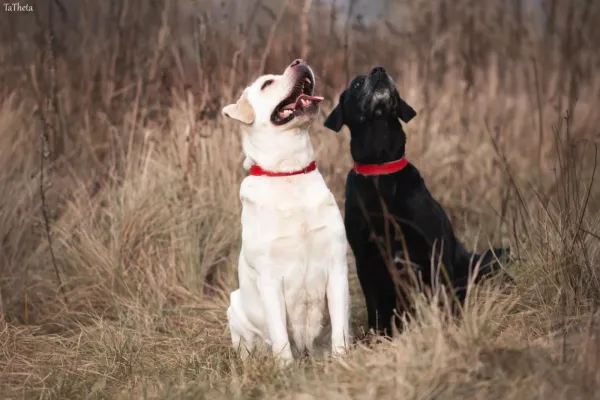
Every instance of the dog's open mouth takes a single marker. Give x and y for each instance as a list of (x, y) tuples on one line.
[(301, 101)]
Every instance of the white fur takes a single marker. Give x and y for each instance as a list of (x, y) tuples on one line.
[(292, 264)]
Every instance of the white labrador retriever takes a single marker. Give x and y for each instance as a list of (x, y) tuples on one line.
[(293, 263)]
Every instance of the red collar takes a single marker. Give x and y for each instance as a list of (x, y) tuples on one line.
[(255, 170), (380, 169)]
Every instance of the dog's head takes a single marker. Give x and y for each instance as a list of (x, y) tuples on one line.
[(279, 102), (371, 108)]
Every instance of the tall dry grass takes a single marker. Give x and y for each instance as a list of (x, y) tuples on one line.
[(141, 177)]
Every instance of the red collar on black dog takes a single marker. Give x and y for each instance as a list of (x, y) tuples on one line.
[(381, 169), (255, 170)]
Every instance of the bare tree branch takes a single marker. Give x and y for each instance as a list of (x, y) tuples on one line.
[(48, 132)]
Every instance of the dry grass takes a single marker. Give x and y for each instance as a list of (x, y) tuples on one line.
[(142, 179)]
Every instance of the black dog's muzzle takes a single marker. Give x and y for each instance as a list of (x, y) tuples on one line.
[(381, 93)]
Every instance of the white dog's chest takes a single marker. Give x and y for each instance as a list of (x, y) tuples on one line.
[(291, 229), (283, 210)]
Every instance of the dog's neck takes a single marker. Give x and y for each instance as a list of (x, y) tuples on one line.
[(378, 143), (285, 151)]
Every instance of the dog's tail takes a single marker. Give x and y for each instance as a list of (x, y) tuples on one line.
[(487, 264)]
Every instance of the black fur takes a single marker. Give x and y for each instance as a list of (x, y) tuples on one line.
[(372, 108)]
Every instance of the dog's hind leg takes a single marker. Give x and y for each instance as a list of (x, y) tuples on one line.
[(243, 346), (243, 339)]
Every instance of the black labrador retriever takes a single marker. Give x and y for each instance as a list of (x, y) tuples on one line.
[(391, 219)]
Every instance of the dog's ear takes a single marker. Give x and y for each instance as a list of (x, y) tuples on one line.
[(405, 112), (335, 120), (241, 111)]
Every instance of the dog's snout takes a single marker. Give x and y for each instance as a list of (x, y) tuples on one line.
[(377, 70), (296, 62)]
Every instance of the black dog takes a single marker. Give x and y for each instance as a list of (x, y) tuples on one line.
[(383, 185)]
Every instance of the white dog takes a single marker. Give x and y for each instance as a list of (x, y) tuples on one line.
[(292, 263)]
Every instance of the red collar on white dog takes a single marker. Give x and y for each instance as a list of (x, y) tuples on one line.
[(381, 169), (255, 170)]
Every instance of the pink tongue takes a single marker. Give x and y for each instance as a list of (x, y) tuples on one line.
[(293, 106)]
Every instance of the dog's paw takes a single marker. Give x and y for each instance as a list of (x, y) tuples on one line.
[(338, 352), (284, 358), (284, 362)]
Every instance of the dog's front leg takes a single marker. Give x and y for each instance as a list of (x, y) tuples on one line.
[(271, 291), (338, 301)]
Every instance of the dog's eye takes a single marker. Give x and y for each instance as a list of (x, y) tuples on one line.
[(266, 83), (356, 84)]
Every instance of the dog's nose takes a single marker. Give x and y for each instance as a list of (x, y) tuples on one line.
[(297, 61), (377, 70)]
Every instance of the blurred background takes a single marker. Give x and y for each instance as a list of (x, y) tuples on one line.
[(119, 214)]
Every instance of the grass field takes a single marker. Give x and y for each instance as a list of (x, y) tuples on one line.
[(114, 283)]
